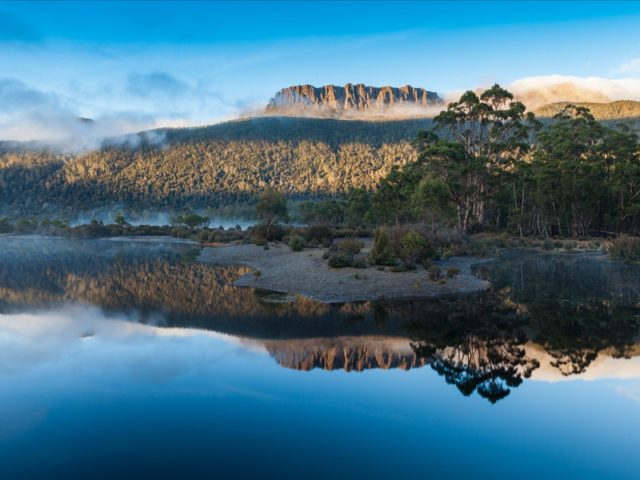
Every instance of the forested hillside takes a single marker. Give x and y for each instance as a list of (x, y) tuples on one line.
[(209, 166)]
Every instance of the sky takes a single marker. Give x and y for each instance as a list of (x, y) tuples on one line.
[(137, 65)]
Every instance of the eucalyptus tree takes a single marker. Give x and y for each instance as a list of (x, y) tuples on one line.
[(475, 143)]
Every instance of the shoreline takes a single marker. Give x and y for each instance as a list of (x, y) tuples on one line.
[(307, 274)]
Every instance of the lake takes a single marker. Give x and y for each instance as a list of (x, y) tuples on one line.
[(123, 358)]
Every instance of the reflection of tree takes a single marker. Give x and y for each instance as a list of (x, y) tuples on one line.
[(475, 345), (578, 305), (574, 334)]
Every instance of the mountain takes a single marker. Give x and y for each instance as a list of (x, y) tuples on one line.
[(618, 110), (354, 99), (222, 164)]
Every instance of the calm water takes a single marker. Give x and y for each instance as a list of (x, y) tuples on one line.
[(122, 359)]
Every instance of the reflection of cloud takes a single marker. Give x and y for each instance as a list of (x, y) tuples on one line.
[(631, 393), (603, 367), (31, 340)]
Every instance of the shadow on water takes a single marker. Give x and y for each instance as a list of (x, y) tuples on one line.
[(573, 308)]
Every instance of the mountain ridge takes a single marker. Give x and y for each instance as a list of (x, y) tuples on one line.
[(352, 98)]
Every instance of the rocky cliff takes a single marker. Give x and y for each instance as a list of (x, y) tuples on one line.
[(352, 98)]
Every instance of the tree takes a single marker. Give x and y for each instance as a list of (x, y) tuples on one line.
[(272, 206), (191, 220), (327, 212), (358, 205), (432, 203), (120, 220), (391, 201), (570, 170), (483, 138), (620, 146)]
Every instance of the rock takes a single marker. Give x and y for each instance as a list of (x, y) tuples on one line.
[(359, 97)]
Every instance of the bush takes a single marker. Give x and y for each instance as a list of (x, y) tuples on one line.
[(382, 252), (434, 272), (267, 233), (625, 248), (297, 243), (350, 245), (340, 260), (319, 233), (452, 272), (413, 247), (547, 244), (570, 245)]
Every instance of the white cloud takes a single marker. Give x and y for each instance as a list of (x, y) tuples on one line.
[(540, 90), (631, 66)]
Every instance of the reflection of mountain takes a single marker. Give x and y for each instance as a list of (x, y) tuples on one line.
[(548, 316), (345, 353)]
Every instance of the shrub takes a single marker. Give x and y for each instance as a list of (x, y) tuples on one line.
[(547, 244), (318, 233), (350, 245), (5, 225), (340, 260), (297, 243), (452, 272), (625, 248), (570, 245), (382, 251), (413, 247), (267, 233), (434, 272), (359, 263)]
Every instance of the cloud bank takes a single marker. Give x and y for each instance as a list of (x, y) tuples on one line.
[(541, 90)]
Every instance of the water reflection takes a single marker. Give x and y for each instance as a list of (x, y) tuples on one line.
[(549, 315)]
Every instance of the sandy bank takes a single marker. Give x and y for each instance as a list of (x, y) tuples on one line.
[(306, 273)]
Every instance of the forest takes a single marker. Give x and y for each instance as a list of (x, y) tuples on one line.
[(489, 165), (483, 164), (206, 167)]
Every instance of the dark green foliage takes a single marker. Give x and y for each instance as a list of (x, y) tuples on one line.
[(382, 251), (120, 219), (453, 272), (271, 207), (267, 233), (414, 247), (297, 243), (435, 273), (340, 260), (319, 233), (190, 220), (349, 245), (326, 212)]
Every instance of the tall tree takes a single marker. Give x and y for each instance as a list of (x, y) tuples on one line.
[(482, 138)]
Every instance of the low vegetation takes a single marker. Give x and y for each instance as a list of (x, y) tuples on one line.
[(625, 248)]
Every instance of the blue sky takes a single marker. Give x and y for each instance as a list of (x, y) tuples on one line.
[(135, 65)]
